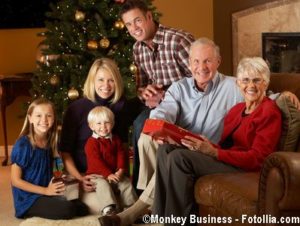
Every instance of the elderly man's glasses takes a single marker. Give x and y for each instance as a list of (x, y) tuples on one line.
[(255, 81)]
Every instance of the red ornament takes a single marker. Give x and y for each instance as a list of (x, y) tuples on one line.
[(119, 1)]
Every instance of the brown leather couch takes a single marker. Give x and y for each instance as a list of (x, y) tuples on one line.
[(272, 192)]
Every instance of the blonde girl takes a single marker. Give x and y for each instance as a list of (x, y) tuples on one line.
[(34, 192)]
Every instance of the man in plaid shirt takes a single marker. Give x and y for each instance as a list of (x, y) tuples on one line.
[(161, 56)]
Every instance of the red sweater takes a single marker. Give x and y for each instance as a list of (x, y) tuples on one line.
[(256, 136), (104, 156)]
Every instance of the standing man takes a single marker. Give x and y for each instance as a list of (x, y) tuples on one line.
[(161, 56)]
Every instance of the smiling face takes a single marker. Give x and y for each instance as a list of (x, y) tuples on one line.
[(42, 119), (204, 62), (253, 76), (104, 83), (101, 127), (140, 25), (252, 86)]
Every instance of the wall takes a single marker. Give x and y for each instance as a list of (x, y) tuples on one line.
[(222, 11), (18, 46), (194, 16), (17, 55)]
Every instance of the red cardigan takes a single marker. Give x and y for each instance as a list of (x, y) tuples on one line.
[(104, 156), (256, 136)]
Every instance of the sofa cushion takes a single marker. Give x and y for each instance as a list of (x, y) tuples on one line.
[(290, 125), (229, 194)]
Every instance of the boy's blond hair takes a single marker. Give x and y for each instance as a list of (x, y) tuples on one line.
[(101, 113)]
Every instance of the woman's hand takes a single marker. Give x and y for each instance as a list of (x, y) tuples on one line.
[(204, 146), (55, 188), (119, 174), (112, 178), (87, 184)]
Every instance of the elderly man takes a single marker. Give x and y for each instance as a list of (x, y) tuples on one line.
[(198, 103)]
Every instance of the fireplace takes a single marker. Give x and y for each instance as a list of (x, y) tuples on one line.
[(282, 51), (279, 20)]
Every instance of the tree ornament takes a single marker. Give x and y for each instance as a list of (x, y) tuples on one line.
[(119, 24), (79, 16), (119, 1), (133, 68), (92, 44), (54, 80), (73, 93), (104, 43)]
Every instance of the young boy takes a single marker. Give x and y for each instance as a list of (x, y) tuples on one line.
[(106, 160)]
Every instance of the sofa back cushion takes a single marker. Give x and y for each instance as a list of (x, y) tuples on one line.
[(285, 82), (290, 136)]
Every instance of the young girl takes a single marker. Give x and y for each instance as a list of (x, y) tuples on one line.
[(34, 192), (106, 161)]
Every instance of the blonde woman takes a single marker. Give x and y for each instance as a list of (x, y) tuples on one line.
[(103, 87)]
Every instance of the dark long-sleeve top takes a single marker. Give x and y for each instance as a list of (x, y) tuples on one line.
[(104, 155), (75, 129), (254, 136)]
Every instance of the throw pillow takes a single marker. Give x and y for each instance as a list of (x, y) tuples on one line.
[(290, 124)]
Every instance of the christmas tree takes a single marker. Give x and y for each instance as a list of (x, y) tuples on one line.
[(78, 32)]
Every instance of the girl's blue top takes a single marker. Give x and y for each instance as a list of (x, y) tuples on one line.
[(36, 165)]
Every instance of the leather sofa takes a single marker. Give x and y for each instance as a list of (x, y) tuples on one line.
[(257, 198)]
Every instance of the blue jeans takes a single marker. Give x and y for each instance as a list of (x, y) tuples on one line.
[(138, 125)]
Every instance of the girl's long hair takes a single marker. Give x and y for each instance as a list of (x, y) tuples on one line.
[(28, 129)]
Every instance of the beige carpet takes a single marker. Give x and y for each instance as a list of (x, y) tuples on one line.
[(82, 221), (7, 217)]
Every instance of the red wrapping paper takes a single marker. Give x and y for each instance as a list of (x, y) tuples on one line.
[(169, 132)]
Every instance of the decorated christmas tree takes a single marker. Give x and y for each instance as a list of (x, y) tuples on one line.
[(78, 32)]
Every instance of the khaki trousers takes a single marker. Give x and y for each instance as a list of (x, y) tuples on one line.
[(146, 180), (105, 195)]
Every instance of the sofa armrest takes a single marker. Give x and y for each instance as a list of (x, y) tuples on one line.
[(279, 184)]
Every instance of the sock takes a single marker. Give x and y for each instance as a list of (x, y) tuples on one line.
[(129, 215)]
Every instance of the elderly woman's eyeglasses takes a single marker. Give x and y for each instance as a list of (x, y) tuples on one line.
[(255, 81)]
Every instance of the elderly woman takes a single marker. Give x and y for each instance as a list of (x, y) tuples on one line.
[(251, 132)]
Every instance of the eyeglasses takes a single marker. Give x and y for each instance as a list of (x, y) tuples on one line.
[(255, 81)]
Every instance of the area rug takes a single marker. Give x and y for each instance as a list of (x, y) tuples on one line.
[(82, 221)]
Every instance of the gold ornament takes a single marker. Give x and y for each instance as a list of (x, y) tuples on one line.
[(104, 43), (73, 94), (119, 24), (79, 16), (54, 80), (133, 68), (92, 44)]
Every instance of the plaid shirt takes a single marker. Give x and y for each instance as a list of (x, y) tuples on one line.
[(168, 62)]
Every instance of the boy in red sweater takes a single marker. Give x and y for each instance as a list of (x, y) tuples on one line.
[(106, 160)]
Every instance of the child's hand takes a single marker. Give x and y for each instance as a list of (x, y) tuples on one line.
[(55, 188), (112, 178), (87, 184)]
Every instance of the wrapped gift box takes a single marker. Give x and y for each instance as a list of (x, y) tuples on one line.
[(72, 187), (167, 131)]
